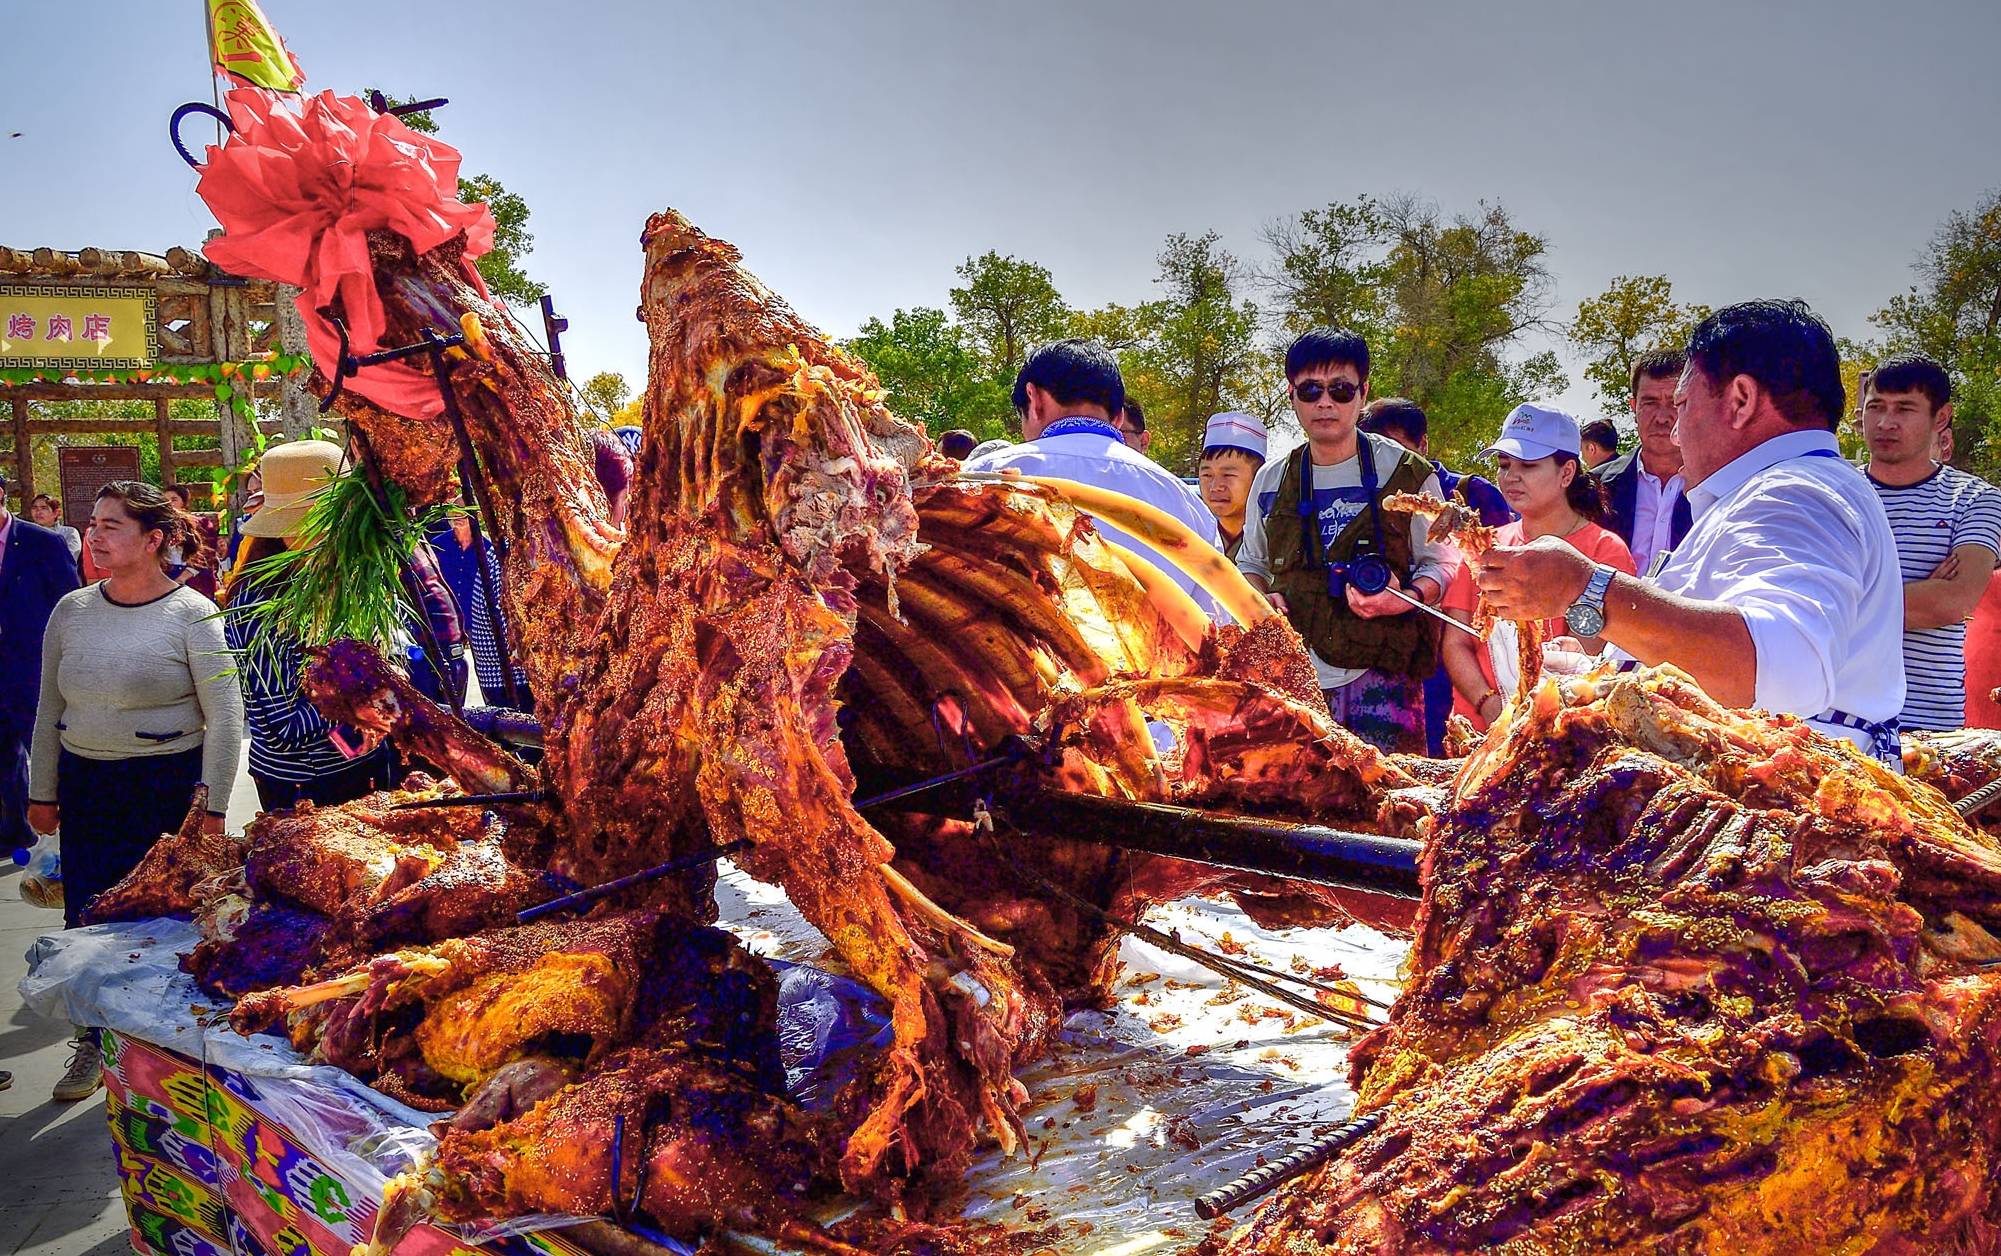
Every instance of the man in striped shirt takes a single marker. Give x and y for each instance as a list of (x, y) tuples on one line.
[(1948, 529)]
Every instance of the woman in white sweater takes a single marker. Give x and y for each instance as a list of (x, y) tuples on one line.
[(138, 703)]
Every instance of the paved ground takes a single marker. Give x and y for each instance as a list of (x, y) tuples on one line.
[(58, 1183)]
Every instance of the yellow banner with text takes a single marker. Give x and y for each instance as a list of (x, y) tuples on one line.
[(77, 328)]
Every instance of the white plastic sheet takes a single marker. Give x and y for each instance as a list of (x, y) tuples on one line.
[(1177, 1088)]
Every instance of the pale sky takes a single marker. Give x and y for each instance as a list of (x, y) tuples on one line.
[(856, 152)]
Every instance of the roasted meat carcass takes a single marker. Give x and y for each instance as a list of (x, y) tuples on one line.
[(173, 877), (1459, 523), (1686, 980), (1957, 763), (808, 600)]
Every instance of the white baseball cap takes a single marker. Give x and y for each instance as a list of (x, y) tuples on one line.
[(1233, 429), (1533, 432)]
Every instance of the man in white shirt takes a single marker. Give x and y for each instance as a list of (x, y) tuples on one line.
[(1315, 522), (1066, 393), (1646, 489), (1786, 593)]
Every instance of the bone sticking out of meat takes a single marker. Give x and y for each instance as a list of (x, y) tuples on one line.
[(351, 683), (1456, 522), (165, 880)]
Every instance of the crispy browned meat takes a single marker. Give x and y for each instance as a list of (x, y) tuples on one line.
[(352, 684), (1686, 980), (165, 881)]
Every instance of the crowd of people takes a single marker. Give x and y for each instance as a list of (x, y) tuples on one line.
[(1732, 540)]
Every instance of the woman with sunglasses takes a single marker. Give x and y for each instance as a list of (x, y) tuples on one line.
[(1539, 469), (1342, 569)]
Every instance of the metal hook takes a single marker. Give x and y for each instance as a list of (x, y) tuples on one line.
[(380, 103), (180, 115)]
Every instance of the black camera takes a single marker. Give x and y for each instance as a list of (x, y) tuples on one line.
[(1369, 573)]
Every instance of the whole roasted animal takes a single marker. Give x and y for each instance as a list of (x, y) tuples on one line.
[(807, 598), (1686, 980)]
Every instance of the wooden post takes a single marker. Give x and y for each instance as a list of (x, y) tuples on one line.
[(225, 329), (296, 406), (163, 430), (24, 454)]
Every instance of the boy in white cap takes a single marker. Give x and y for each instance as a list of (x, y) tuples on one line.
[(1233, 448)]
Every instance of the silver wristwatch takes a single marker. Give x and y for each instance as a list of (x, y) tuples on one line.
[(1586, 616)]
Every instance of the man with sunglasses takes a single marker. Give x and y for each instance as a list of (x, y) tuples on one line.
[(1068, 393), (1319, 543)]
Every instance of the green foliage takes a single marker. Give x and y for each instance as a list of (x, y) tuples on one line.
[(1006, 307), (501, 268), (931, 375), (344, 578), (1953, 313), (606, 393), (1441, 301), (1198, 350), (1634, 315)]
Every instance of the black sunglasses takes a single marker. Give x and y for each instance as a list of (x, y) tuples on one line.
[(1340, 390)]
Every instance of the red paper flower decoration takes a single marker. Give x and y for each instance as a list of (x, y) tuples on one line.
[(297, 194)]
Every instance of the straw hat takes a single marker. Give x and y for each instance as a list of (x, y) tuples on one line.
[(294, 474)]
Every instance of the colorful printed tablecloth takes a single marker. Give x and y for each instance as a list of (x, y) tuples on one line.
[(206, 1173)]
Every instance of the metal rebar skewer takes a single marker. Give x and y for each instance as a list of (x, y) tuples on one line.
[(1267, 1178)]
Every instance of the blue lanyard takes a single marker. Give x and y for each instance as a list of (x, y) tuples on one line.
[(1081, 423), (1316, 546)]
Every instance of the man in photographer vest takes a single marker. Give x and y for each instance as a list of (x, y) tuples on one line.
[(1316, 537)]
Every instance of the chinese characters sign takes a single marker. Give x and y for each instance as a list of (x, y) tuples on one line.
[(77, 328)]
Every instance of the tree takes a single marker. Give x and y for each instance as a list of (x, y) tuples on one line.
[(501, 267), (1634, 315), (1202, 346), (1005, 307), (930, 375), (606, 392), (1953, 314), (1442, 302)]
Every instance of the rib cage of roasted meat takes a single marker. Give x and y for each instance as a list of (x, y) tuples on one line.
[(1685, 980)]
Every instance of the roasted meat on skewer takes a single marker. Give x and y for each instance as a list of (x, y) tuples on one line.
[(1460, 524)]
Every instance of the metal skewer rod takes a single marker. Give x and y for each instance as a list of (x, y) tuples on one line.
[(596, 892), (1269, 1177), (1435, 613), (1979, 800)]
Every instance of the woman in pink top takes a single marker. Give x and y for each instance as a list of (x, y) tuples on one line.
[(1538, 470)]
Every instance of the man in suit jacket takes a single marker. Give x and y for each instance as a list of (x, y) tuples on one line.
[(35, 571), (1645, 490)]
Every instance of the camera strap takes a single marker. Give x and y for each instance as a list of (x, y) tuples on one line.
[(1316, 545)]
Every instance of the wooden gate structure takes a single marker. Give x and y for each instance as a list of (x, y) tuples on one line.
[(197, 317)]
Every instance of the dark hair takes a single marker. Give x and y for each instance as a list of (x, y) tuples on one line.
[(1327, 346), (1401, 413), (1217, 451), (1602, 431), (614, 464), (1782, 345), (1135, 414), (1911, 372), (1586, 492), (1073, 372), (957, 443), (50, 498), (1656, 364), (151, 510)]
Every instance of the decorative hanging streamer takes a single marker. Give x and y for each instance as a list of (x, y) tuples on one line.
[(297, 194)]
